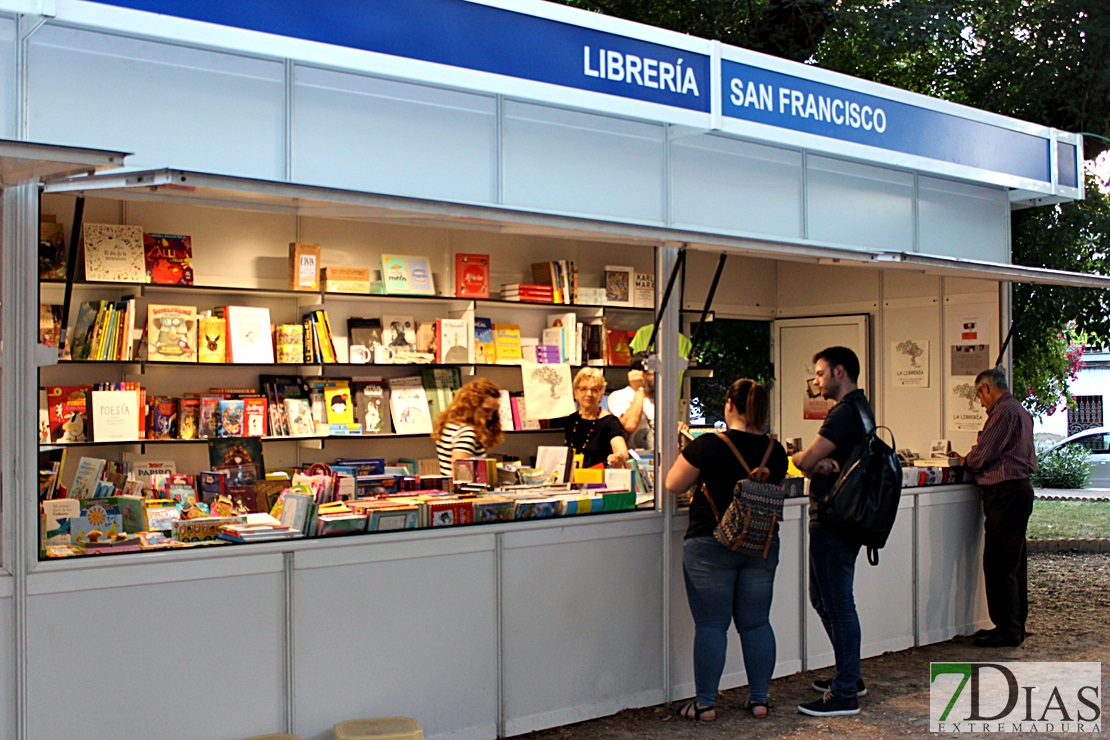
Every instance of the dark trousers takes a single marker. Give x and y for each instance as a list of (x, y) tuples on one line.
[(1007, 507)]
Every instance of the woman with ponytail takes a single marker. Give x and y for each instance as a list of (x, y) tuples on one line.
[(723, 586)]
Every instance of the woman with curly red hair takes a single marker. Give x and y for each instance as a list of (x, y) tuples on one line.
[(470, 425)]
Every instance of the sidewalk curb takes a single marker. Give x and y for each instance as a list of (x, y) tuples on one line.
[(1101, 545)]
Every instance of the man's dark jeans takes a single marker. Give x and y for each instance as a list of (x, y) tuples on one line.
[(832, 573)]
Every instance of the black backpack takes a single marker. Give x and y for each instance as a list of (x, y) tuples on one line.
[(863, 502)]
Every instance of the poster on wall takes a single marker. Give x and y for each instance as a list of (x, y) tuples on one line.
[(814, 407), (965, 414), (970, 359), (910, 360)]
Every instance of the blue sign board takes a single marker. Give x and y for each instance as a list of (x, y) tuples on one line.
[(470, 36), (795, 103)]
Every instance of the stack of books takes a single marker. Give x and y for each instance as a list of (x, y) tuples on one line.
[(528, 292)]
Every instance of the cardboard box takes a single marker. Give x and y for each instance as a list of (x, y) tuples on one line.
[(304, 266), (346, 280)]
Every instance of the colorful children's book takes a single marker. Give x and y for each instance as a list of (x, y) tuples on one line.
[(399, 332), (339, 405), (211, 339), (67, 415), (254, 416), (231, 418), (237, 452), (484, 351), (171, 333), (395, 273), (163, 418), (88, 473), (168, 258), (114, 252), (290, 343), (298, 414)]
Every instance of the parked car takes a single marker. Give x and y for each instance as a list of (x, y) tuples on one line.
[(1097, 443)]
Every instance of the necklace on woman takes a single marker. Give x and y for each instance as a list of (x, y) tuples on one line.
[(580, 443)]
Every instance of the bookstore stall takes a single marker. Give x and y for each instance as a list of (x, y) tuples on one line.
[(228, 355)]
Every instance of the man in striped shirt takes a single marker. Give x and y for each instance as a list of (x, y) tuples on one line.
[(1001, 461)]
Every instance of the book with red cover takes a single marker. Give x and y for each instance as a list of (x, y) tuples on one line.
[(169, 258), (472, 275), (254, 416), (66, 409), (619, 351)]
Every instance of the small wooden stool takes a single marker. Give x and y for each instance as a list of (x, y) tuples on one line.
[(382, 728)]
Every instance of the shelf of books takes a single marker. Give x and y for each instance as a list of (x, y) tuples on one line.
[(211, 388)]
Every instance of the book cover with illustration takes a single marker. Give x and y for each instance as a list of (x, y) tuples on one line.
[(472, 276), (506, 342), (453, 341), (66, 412), (171, 333), (289, 339), (114, 252), (232, 453), (484, 351), (409, 406), (248, 335), (372, 406), (399, 332), (168, 258), (618, 285), (52, 251), (231, 418), (395, 273), (339, 405), (211, 339), (163, 418)]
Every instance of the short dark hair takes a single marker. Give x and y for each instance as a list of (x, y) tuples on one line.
[(841, 356), (996, 376), (638, 360)]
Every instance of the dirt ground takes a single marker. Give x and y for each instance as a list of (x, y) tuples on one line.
[(1069, 595)]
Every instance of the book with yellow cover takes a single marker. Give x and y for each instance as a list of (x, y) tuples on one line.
[(211, 340), (506, 344)]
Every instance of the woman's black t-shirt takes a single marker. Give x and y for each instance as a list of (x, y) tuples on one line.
[(721, 470), (593, 437)]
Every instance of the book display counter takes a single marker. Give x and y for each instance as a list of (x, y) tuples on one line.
[(211, 388)]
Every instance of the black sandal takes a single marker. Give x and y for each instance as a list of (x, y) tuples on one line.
[(755, 706), (691, 710)]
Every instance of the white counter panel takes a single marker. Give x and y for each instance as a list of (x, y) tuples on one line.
[(582, 622), (116, 662), (884, 598), (412, 636), (951, 598)]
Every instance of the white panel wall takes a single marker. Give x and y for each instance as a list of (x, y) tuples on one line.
[(727, 185), (859, 205), (746, 289), (117, 658), (7, 660), (578, 163), (886, 590), (169, 105), (912, 311), (9, 120), (362, 133), (582, 622), (403, 628), (961, 220), (951, 598)]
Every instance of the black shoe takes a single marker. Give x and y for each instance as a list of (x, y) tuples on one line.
[(825, 684), (831, 705), (985, 632), (996, 639)]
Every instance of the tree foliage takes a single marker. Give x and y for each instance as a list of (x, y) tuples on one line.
[(734, 349), (791, 29), (1045, 61)]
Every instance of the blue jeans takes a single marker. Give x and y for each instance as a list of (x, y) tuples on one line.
[(724, 587), (832, 572)]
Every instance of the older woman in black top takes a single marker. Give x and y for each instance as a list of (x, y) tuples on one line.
[(723, 586), (591, 431)]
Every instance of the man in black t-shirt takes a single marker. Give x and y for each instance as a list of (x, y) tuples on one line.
[(832, 559)]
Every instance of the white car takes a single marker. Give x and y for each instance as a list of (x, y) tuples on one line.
[(1097, 443)]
